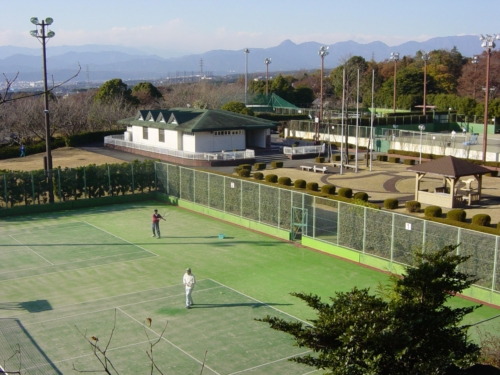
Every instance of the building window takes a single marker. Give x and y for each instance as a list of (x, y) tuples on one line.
[(162, 135), (145, 132)]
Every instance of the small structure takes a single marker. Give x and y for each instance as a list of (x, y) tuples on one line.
[(450, 194)]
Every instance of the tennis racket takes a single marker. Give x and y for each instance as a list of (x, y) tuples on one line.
[(166, 214)]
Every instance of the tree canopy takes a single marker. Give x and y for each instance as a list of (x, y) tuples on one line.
[(407, 329), (115, 88)]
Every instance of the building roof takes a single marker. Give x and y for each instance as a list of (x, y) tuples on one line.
[(196, 120), (449, 166)]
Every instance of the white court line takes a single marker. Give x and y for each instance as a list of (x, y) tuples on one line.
[(111, 234), (270, 363), (33, 251), (170, 342), (263, 303)]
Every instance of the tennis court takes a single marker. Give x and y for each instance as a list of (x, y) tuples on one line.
[(86, 271)]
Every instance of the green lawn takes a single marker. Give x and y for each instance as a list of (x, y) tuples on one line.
[(76, 270)]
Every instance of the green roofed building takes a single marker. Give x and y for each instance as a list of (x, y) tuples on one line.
[(193, 134)]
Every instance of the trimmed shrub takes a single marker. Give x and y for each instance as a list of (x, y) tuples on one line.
[(345, 192), (433, 211), (237, 170), (300, 184), (259, 166), (362, 196), (258, 175), (245, 166), (271, 178), (456, 214), (286, 181), (244, 173), (481, 219), (393, 159), (319, 159), (336, 157), (328, 189), (277, 164), (312, 186), (382, 157), (412, 206), (409, 161), (391, 203)]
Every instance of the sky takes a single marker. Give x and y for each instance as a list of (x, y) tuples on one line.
[(172, 28)]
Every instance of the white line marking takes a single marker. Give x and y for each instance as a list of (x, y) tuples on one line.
[(33, 251), (263, 303), (270, 363), (111, 234), (170, 342)]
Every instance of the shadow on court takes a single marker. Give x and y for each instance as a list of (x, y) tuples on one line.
[(29, 306)]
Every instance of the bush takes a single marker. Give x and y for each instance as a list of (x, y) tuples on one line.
[(412, 206), (312, 186), (409, 161), (433, 211), (271, 178), (492, 174), (336, 157), (244, 173), (393, 159), (248, 167), (258, 175), (299, 184), (456, 214), (237, 170), (286, 181), (277, 164), (362, 196), (391, 203), (319, 159), (345, 192), (382, 157), (328, 189), (259, 166), (481, 219)]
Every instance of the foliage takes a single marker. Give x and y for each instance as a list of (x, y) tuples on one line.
[(312, 186), (456, 214), (259, 166), (391, 203), (258, 175), (146, 93), (345, 192), (277, 164), (360, 195), (410, 329), (115, 88), (300, 184), (328, 189), (481, 219), (412, 206), (286, 181), (433, 211), (271, 178)]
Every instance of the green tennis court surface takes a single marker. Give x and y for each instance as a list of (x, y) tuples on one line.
[(76, 270)]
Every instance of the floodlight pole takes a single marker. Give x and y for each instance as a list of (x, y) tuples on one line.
[(43, 40), (425, 57), (487, 43), (422, 128), (395, 58), (247, 51), (323, 51), (267, 61)]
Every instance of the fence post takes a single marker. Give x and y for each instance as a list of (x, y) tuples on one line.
[(392, 239), (85, 183), (5, 190), (59, 183), (109, 181), (494, 276), (32, 187)]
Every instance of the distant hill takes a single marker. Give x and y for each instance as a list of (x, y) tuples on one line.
[(106, 62)]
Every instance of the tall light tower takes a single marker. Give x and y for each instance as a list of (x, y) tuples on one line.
[(474, 61), (487, 43), (395, 58), (425, 57), (43, 36), (323, 51), (267, 61), (247, 51)]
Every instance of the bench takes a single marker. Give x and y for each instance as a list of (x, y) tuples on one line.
[(338, 165), (306, 168), (322, 170)]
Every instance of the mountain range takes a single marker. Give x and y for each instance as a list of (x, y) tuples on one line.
[(104, 62)]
